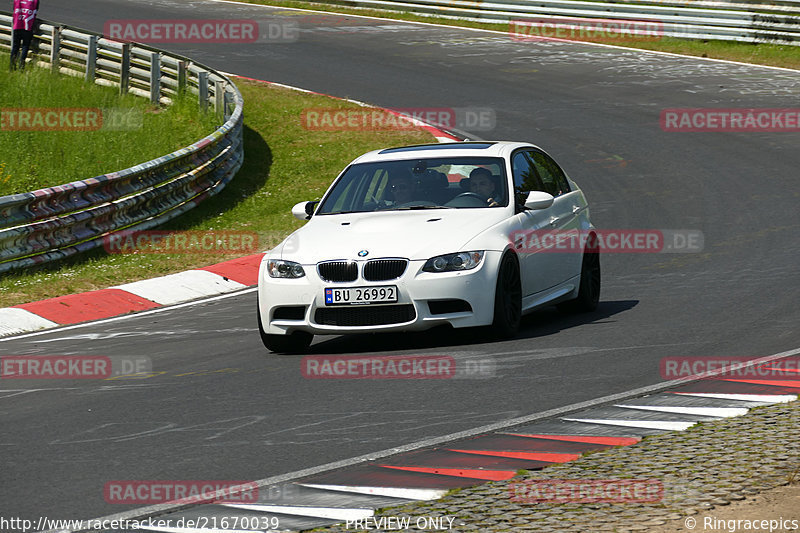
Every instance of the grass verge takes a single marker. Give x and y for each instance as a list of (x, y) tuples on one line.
[(33, 160), (284, 164), (762, 54)]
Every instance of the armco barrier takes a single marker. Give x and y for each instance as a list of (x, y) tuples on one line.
[(776, 22), (57, 222)]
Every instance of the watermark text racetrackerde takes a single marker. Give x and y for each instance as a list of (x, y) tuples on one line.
[(179, 491), (584, 29), (730, 120), (397, 367), (402, 119), (587, 491), (181, 242), (196, 31), (70, 119), (71, 366), (607, 241), (728, 367)]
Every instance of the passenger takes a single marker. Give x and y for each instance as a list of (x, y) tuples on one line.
[(481, 182)]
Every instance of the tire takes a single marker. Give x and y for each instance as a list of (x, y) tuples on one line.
[(295, 342), (589, 289), (507, 299)]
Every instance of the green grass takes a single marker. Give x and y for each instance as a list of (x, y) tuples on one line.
[(33, 160), (763, 54), (284, 164)]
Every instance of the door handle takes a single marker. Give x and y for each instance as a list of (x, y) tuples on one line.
[(553, 221), (575, 209)]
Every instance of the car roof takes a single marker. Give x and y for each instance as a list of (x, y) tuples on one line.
[(454, 149)]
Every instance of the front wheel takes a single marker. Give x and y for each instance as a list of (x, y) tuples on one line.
[(507, 299), (295, 342), (589, 290)]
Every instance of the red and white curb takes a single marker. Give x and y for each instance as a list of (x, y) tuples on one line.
[(144, 295)]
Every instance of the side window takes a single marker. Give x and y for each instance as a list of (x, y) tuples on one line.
[(553, 178), (526, 177)]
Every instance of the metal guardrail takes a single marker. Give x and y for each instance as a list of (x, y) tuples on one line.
[(61, 221), (777, 22)]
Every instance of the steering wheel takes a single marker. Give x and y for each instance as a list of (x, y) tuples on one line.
[(470, 194), (467, 199)]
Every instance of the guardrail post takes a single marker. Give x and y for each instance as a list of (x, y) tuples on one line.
[(181, 77), (55, 49), (91, 58), (125, 69), (219, 98), (202, 88), (228, 101), (155, 78)]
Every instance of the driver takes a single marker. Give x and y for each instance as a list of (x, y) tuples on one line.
[(481, 183), (401, 185)]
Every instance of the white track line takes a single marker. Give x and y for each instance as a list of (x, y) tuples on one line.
[(197, 529), (721, 412), (391, 492), (643, 424), (332, 513), (760, 398)]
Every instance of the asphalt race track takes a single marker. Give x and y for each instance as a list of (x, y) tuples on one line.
[(218, 407)]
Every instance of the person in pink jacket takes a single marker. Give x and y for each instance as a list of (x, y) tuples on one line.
[(24, 15)]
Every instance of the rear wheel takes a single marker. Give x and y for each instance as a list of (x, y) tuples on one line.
[(589, 290), (507, 299), (295, 342)]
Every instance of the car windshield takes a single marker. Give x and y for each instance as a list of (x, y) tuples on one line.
[(437, 183)]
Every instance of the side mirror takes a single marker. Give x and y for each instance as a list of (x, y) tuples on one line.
[(539, 200), (304, 210)]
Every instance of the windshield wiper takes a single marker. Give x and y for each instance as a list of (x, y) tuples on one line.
[(414, 207)]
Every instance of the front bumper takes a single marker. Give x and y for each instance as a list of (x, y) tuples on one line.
[(461, 299)]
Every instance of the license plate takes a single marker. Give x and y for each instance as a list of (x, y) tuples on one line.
[(361, 295)]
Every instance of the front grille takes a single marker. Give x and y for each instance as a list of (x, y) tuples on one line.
[(384, 269), (365, 315), (291, 312), (338, 271), (443, 307)]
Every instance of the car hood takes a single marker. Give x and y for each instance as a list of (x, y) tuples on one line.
[(411, 234)]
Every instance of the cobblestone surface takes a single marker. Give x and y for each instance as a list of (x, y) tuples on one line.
[(710, 464)]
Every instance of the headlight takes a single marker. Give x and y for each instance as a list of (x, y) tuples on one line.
[(278, 268), (451, 262)]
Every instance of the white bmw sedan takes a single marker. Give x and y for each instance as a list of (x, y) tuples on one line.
[(467, 234)]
